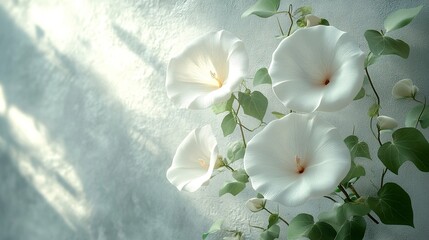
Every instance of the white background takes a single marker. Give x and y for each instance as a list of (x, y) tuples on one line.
[(87, 131)]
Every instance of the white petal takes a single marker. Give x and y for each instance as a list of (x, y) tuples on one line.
[(318, 68), (386, 123), (207, 71), (194, 160), (404, 89), (312, 20), (271, 159)]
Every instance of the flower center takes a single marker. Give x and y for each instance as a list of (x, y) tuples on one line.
[(219, 82), (326, 82), (203, 164), (299, 168)]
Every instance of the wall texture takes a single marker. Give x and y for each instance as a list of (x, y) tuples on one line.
[(87, 131)]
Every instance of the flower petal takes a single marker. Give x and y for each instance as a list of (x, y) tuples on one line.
[(318, 68), (194, 160), (275, 157), (207, 70)]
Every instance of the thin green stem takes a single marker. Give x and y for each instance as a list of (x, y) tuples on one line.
[(280, 26), (282, 219), (373, 88), (330, 198), (239, 122), (229, 167), (358, 196), (354, 190), (382, 177), (345, 193), (289, 13), (421, 113)]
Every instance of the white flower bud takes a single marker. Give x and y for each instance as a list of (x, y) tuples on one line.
[(386, 123), (256, 204), (404, 89), (312, 20)]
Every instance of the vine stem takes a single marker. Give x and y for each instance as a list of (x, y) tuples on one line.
[(372, 86), (282, 219), (291, 19), (382, 177), (421, 113), (239, 122), (357, 195)]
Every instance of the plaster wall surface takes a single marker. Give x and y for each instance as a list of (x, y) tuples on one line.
[(87, 131)]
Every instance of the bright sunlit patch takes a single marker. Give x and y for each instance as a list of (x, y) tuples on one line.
[(42, 163)]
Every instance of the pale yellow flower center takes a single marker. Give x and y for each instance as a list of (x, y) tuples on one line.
[(299, 167), (218, 82), (203, 164)]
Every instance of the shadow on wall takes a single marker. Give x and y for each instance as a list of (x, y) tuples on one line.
[(71, 166)]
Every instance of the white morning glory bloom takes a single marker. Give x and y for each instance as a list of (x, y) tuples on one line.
[(317, 69), (207, 71), (404, 89), (296, 158), (194, 161)]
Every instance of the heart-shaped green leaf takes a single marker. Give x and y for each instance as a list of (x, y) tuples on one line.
[(263, 8), (413, 116), (228, 124), (400, 18), (408, 144), (254, 104), (353, 229), (233, 188), (261, 77), (383, 45), (393, 205)]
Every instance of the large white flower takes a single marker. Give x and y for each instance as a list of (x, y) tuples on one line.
[(194, 160), (296, 158), (317, 69), (207, 70)]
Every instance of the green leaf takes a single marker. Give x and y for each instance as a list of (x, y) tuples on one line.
[(273, 219), (261, 77), (216, 226), (233, 188), (400, 18), (413, 115), (240, 175), (299, 226), (360, 94), (263, 8), (373, 110), (339, 215), (271, 233), (355, 171), (357, 149), (408, 144), (301, 22), (352, 229), (278, 115), (393, 205), (322, 230), (236, 151), (223, 106), (228, 124), (383, 45), (324, 22), (254, 104)]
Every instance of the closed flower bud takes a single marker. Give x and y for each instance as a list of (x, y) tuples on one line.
[(312, 20), (256, 204), (404, 89), (386, 123)]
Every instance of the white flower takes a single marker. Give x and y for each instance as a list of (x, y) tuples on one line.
[(207, 71), (256, 204), (386, 123), (404, 89), (194, 160), (296, 158), (317, 69), (312, 20)]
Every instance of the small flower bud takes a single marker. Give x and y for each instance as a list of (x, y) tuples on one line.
[(386, 123), (219, 162), (312, 20), (256, 204), (404, 89)]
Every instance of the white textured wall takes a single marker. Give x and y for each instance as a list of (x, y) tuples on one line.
[(87, 132)]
